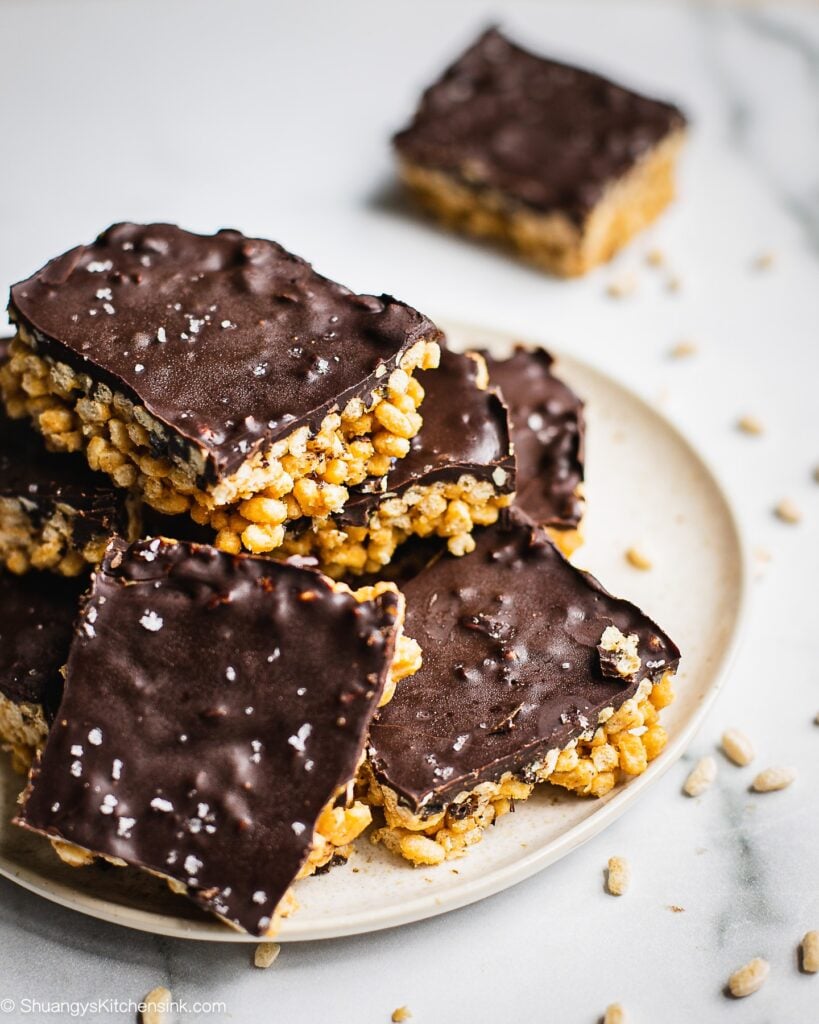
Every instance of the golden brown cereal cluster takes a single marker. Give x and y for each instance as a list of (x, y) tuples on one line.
[(621, 746), (305, 474), (48, 544), (551, 240), (444, 509), (24, 730)]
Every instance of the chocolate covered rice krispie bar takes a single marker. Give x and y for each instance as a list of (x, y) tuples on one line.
[(548, 433), (459, 473), (532, 673), (37, 615), (559, 163), (55, 512), (214, 716), (218, 376)]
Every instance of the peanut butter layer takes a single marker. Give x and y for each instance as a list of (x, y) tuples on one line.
[(215, 706)]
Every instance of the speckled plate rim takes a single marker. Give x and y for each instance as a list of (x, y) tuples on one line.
[(531, 861)]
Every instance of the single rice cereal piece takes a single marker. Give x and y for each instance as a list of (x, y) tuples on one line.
[(548, 432), (618, 877), (810, 952), (155, 1006), (749, 979), (266, 954), (772, 779), (214, 716), (615, 1014), (218, 375), (738, 747), (556, 162), (532, 672), (788, 511), (701, 777), (400, 1015)]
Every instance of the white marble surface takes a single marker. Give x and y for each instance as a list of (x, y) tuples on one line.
[(274, 117)]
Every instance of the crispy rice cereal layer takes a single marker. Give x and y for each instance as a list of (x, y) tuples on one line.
[(50, 543), (448, 509), (23, 730), (553, 241), (302, 475), (620, 747)]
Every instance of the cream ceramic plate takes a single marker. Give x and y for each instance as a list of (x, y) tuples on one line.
[(667, 499)]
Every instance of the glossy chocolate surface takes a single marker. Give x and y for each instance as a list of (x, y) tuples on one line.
[(545, 134), (511, 669), (548, 431), (465, 431), (214, 704), (232, 342), (37, 615)]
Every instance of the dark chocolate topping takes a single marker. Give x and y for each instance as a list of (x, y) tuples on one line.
[(231, 341), (466, 430), (214, 704), (511, 667), (548, 432), (546, 134), (37, 615)]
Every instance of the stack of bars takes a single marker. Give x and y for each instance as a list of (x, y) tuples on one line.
[(232, 720)]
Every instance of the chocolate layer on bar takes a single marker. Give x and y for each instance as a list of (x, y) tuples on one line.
[(37, 615), (231, 342), (214, 705), (548, 430), (465, 432), (547, 135), (512, 665)]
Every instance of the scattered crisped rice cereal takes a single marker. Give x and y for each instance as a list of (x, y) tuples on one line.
[(701, 777), (788, 511), (750, 425), (816, 718), (619, 876), (401, 1014), (764, 261), (639, 559), (683, 349), (266, 953), (738, 747), (749, 979), (615, 1014), (762, 555), (810, 952), (673, 283), (655, 258), (156, 1003), (816, 474), (676, 909), (773, 779), (622, 287)]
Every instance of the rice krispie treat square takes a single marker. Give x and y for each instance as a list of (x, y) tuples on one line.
[(559, 163), (214, 716), (532, 673), (219, 375)]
